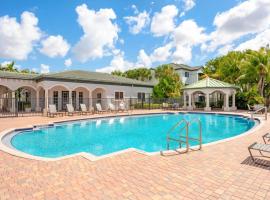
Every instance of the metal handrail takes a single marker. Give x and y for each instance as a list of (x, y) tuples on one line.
[(200, 131), (168, 138), (258, 110)]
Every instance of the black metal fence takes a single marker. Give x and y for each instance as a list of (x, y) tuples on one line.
[(14, 107)]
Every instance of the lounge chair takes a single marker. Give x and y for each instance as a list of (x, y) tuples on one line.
[(165, 106), (122, 107), (250, 108), (52, 111), (266, 138), (112, 107), (99, 108), (175, 106), (262, 148), (84, 109), (70, 109)]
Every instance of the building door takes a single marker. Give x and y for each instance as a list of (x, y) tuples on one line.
[(55, 99), (74, 99), (65, 99), (99, 97)]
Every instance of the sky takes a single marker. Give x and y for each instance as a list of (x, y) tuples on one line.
[(106, 35)]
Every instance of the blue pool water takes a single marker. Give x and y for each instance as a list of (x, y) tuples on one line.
[(103, 136)]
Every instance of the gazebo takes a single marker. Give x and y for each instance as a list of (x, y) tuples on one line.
[(209, 92)]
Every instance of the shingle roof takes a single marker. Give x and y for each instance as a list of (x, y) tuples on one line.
[(88, 76), (209, 83), (16, 75), (77, 76), (186, 67)]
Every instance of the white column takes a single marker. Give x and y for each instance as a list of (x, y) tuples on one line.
[(207, 108), (226, 108), (233, 102), (70, 96), (37, 101), (46, 96), (185, 100), (190, 107), (13, 101), (90, 101)]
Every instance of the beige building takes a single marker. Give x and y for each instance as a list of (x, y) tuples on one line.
[(34, 92)]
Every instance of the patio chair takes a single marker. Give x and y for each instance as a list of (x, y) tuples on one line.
[(175, 106), (52, 112), (99, 108), (70, 109), (84, 109), (122, 107), (266, 138), (112, 107), (262, 148), (165, 106)]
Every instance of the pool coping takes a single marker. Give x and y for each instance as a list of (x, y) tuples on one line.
[(6, 147)]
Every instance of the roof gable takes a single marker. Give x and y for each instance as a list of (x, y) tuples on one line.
[(185, 67), (209, 83)]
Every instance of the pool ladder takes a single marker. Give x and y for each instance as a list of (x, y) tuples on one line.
[(184, 139)]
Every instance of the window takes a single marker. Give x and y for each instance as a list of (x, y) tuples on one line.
[(119, 95), (55, 98), (80, 97), (187, 74), (74, 99), (65, 99), (141, 95)]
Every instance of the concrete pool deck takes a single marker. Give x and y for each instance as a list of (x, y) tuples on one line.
[(219, 171)]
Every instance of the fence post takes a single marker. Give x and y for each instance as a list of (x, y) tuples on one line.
[(149, 103)]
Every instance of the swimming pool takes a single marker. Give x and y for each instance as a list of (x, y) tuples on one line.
[(107, 135)]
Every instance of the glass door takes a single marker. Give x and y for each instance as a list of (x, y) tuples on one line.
[(65, 99)]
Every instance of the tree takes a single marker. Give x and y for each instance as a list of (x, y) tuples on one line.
[(248, 69), (142, 74), (169, 84), (117, 73), (10, 67)]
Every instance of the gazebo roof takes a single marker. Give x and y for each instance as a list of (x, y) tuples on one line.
[(209, 83)]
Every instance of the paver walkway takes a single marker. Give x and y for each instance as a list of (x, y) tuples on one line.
[(220, 171)]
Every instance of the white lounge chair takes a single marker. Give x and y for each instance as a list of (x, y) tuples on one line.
[(84, 109), (52, 111), (112, 107), (99, 108), (70, 109), (122, 106)]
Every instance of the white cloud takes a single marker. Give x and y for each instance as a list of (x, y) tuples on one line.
[(118, 63), (161, 54), (260, 40), (18, 38), (188, 5), (225, 49), (248, 17), (100, 33), (54, 46), (163, 22), (134, 7), (44, 69), (143, 59), (182, 54), (187, 35), (138, 22), (68, 62)]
